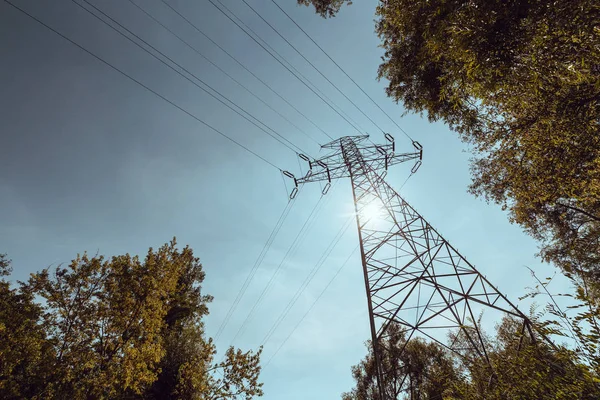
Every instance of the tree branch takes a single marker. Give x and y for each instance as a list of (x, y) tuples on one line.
[(580, 211)]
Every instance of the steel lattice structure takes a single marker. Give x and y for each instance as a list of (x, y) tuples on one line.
[(413, 277)]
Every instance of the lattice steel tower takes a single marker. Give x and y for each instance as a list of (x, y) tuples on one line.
[(413, 277)]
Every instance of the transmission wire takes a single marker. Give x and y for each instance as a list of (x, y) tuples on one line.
[(311, 306), (142, 85), (263, 293), (331, 104), (320, 262), (291, 249), (256, 265), (296, 150), (245, 68), (221, 70), (406, 180), (280, 62), (312, 65), (343, 71)]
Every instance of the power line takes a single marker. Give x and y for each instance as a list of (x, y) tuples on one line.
[(406, 180), (282, 60), (263, 293), (296, 73), (187, 78), (290, 251), (142, 85), (256, 265), (284, 184), (221, 70), (312, 65), (290, 146), (341, 69), (307, 82), (311, 307), (245, 68), (320, 262), (307, 280)]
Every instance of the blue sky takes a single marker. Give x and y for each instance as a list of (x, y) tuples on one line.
[(90, 161)]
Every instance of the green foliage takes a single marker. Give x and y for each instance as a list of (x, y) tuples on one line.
[(415, 369), (518, 81), (25, 353), (579, 322), (520, 369), (526, 370), (118, 328), (325, 8)]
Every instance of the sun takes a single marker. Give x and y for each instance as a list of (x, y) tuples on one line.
[(372, 212)]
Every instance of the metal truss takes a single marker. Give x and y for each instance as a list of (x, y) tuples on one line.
[(414, 278)]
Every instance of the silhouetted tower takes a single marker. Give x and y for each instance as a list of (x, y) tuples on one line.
[(413, 277)]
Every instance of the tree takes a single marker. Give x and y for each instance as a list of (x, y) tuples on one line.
[(25, 353), (521, 369), (519, 81), (529, 374), (415, 369), (125, 328), (526, 369), (579, 322), (325, 8)]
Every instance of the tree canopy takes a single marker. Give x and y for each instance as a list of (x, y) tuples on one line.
[(519, 81), (119, 328), (325, 8), (420, 370)]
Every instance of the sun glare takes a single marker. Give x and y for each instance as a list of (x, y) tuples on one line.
[(372, 211)]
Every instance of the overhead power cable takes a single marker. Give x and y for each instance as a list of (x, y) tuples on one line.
[(306, 226), (221, 70), (312, 65), (256, 265), (263, 293), (311, 307), (320, 262), (245, 68), (292, 70), (278, 137), (286, 64), (143, 85), (341, 69), (405, 181)]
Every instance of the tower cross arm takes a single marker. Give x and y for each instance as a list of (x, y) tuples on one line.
[(379, 157)]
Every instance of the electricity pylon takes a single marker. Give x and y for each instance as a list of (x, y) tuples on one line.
[(414, 278)]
